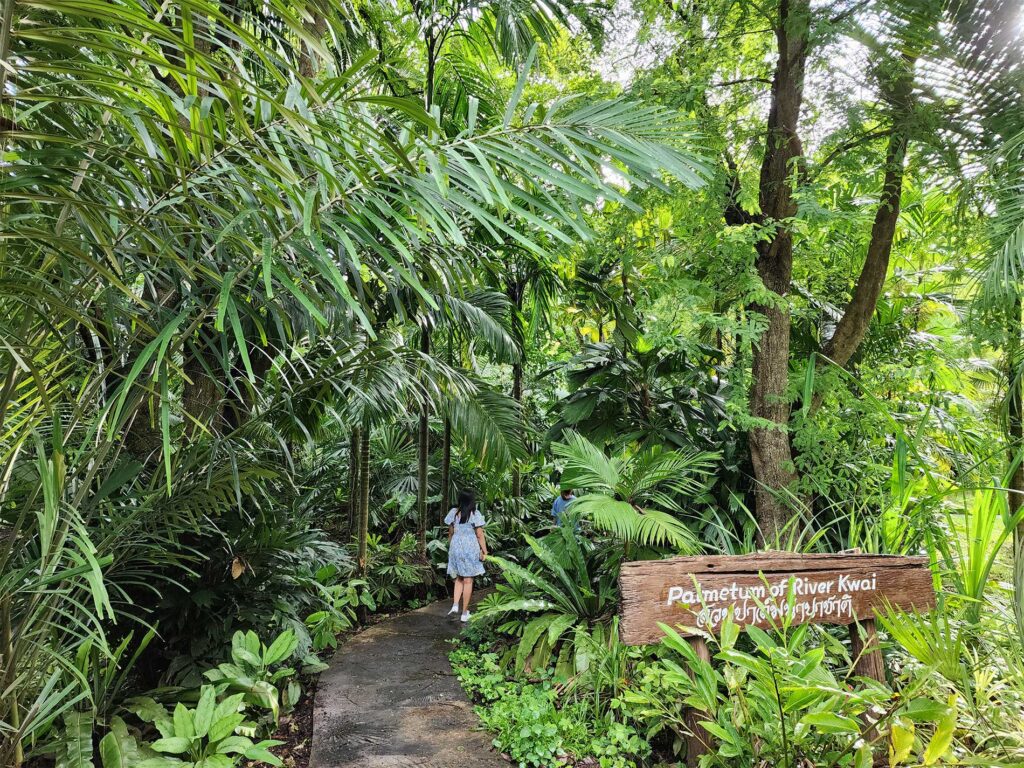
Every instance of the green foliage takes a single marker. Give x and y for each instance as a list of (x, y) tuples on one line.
[(631, 496), (779, 701), (207, 735), (559, 606), (536, 726), (227, 230), (256, 670)]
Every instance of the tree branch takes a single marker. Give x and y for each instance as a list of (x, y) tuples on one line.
[(846, 146), (740, 80), (853, 325)]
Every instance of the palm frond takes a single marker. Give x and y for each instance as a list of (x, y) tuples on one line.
[(585, 465), (645, 527), (490, 426)]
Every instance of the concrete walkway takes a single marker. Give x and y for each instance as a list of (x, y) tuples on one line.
[(390, 700)]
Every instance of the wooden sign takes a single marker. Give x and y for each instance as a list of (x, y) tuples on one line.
[(690, 593)]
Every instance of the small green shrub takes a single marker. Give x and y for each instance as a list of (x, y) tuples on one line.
[(212, 735), (257, 671), (774, 700), (536, 726)]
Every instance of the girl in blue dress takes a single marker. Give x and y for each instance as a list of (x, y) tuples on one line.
[(467, 549)]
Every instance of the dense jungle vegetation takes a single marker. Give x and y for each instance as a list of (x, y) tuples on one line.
[(278, 278)]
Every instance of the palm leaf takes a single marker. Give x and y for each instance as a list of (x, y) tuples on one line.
[(646, 527)]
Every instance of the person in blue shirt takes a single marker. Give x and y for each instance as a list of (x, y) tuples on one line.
[(562, 501)]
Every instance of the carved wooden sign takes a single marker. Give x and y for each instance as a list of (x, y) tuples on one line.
[(764, 588)]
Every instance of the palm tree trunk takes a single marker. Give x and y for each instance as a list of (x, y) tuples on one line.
[(423, 456), (446, 467), (14, 713), (200, 396), (308, 60), (517, 395), (1015, 433), (353, 481), (446, 450), (364, 498)]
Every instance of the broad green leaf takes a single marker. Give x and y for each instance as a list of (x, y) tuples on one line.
[(901, 742), (942, 739), (282, 648), (830, 722), (204, 711), (75, 747), (174, 745)]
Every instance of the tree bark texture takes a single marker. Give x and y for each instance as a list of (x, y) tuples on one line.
[(769, 443), (201, 394), (308, 59)]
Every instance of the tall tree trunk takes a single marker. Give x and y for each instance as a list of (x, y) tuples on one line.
[(517, 395), (446, 467), (1015, 435), (516, 291), (353, 482), (856, 318), (364, 498), (769, 440), (446, 450), (423, 457)]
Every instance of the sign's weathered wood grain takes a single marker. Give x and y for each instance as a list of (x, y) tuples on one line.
[(700, 592)]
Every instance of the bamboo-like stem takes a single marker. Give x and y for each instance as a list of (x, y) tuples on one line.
[(364, 498), (423, 459)]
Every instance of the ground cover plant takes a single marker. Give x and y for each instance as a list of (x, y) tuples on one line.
[(278, 279)]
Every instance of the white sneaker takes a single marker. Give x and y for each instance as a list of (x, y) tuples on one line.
[(455, 609), (465, 616)]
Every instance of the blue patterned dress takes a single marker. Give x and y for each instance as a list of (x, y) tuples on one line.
[(464, 549)]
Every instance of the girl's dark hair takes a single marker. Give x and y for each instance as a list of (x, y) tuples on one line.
[(467, 504)]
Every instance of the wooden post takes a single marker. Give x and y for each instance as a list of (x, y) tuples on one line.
[(698, 741), (867, 654), (864, 648), (868, 662)]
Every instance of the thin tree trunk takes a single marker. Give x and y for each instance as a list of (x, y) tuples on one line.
[(364, 499), (769, 440), (446, 450), (517, 395), (446, 467), (353, 482), (515, 292), (1015, 433), (858, 313), (14, 709), (423, 457)]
